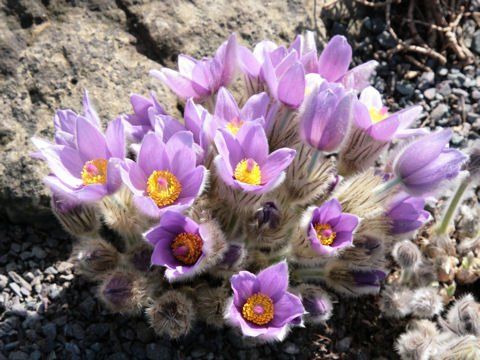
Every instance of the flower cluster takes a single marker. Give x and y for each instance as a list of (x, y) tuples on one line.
[(245, 212)]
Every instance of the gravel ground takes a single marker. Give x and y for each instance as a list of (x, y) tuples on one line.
[(46, 312)]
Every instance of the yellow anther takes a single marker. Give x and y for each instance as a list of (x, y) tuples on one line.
[(234, 126), (325, 233), (95, 172), (163, 187), (248, 171), (258, 309), (187, 248), (377, 114)]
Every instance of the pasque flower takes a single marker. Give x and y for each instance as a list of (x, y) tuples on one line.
[(325, 116), (165, 176), (198, 79), (229, 116), (88, 168), (330, 229), (426, 162), (181, 245), (244, 163), (406, 213), (261, 305)]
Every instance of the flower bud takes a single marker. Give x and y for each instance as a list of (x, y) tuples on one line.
[(76, 219), (395, 301), (464, 316), (316, 302), (233, 256), (268, 215), (171, 314), (94, 258), (407, 255), (426, 302), (140, 257), (122, 292), (211, 303), (418, 343)]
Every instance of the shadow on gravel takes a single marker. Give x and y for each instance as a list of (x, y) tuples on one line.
[(47, 312)]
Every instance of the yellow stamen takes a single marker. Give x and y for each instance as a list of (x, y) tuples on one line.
[(163, 187), (234, 126), (95, 172), (187, 248), (325, 233), (377, 115), (258, 309), (248, 171)]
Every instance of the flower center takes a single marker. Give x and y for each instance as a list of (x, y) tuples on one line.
[(325, 233), (378, 114), (258, 309), (163, 187), (234, 125), (248, 171), (187, 248), (95, 172)]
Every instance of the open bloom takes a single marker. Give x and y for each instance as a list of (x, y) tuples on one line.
[(229, 116), (261, 305), (198, 79), (181, 245), (330, 229), (139, 123), (165, 176), (325, 117), (373, 117), (406, 213), (426, 162), (87, 168), (244, 163)]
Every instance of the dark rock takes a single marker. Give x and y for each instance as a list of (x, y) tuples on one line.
[(3, 281), (118, 356), (290, 348), (476, 41), (344, 344), (405, 88), (36, 355), (38, 252), (439, 111), (18, 355), (386, 40), (157, 352), (49, 331), (426, 80), (444, 88), (456, 139)]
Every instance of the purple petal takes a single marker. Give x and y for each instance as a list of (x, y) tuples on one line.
[(91, 193), (291, 87), (244, 285), (254, 143), (229, 148), (275, 163), (162, 254), (287, 308), (255, 107), (224, 170), (114, 178), (346, 222), (147, 206), (152, 155), (247, 62), (178, 223), (273, 281), (228, 60), (134, 177), (226, 107), (180, 153), (140, 107), (186, 65), (329, 210), (179, 84), (385, 129), (362, 116), (358, 77), (191, 182), (89, 112), (65, 163), (115, 138), (371, 98), (342, 239), (90, 141), (335, 58)]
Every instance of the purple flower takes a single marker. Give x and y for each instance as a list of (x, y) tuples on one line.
[(305, 46), (426, 162), (261, 305), (334, 61), (165, 176), (373, 117), (229, 116), (406, 213), (325, 117), (180, 244), (244, 163), (89, 170), (330, 229), (139, 123), (198, 79), (368, 278)]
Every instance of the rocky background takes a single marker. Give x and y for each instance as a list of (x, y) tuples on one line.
[(50, 50)]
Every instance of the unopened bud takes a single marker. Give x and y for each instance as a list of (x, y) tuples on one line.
[(94, 258), (413, 345), (473, 163), (140, 257), (233, 256), (426, 302), (317, 303), (268, 215), (407, 255), (76, 219), (171, 314), (211, 303), (121, 292), (464, 316), (395, 302)]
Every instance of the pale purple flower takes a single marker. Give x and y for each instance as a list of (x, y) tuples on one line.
[(229, 116), (89, 170), (406, 213), (368, 278), (261, 305), (140, 122), (306, 48), (425, 163), (330, 229), (244, 163), (373, 117), (199, 79), (326, 116), (165, 176), (181, 245)]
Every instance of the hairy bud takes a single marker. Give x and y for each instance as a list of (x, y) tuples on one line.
[(76, 219), (211, 303), (316, 302), (140, 257), (94, 258), (426, 302), (395, 301), (122, 292), (464, 316), (407, 255), (268, 215), (417, 344)]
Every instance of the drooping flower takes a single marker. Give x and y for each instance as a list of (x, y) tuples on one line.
[(165, 176), (406, 213), (425, 163), (181, 245), (261, 305), (199, 79), (325, 117), (368, 278), (330, 229), (89, 170), (244, 163), (139, 123), (229, 116)]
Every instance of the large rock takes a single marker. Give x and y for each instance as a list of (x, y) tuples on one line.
[(52, 50)]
